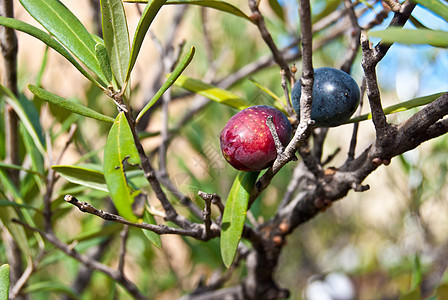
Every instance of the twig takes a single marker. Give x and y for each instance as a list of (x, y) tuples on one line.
[(286, 92), (353, 141), (259, 21), (354, 38), (195, 231), (121, 258), (307, 79), (278, 145), (395, 6), (206, 213), (93, 264)]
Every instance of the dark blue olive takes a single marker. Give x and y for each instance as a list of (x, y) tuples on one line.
[(335, 97)]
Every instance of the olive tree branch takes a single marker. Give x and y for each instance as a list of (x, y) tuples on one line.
[(258, 19), (194, 230), (87, 261)]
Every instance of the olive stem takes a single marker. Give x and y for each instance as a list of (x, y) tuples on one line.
[(273, 130)]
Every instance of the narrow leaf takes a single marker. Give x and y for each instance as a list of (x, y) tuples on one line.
[(403, 106), (6, 203), (49, 41), (145, 21), (235, 215), (116, 37), (103, 59), (153, 237), (169, 82), (68, 105), (17, 231), (436, 6), (120, 150), (277, 8), (215, 4), (108, 229), (434, 38), (16, 167), (25, 115), (83, 176), (51, 286), (65, 26), (4, 281), (212, 92), (267, 91)]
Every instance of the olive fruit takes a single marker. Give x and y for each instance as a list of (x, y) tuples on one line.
[(335, 97), (246, 141)]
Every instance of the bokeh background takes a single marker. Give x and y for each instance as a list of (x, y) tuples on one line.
[(370, 245)]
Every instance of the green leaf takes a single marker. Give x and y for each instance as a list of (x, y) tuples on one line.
[(148, 15), (212, 92), (435, 6), (8, 213), (169, 82), (108, 229), (269, 93), (68, 105), (235, 215), (116, 37), (16, 167), (103, 58), (6, 203), (29, 117), (215, 4), (402, 106), (153, 237), (4, 281), (65, 26), (49, 41), (120, 150), (434, 38), (277, 8), (51, 286), (83, 176)]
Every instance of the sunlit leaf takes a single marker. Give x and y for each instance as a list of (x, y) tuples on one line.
[(215, 4), (65, 26), (212, 92), (49, 41), (28, 115), (116, 37), (4, 281), (436, 6), (235, 215), (402, 106), (434, 38), (120, 150), (148, 15), (83, 176), (68, 105), (169, 82)]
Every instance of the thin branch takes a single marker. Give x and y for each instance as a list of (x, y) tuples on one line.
[(195, 231), (278, 145), (259, 21), (93, 264), (353, 141), (122, 257)]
